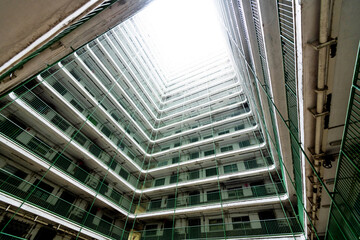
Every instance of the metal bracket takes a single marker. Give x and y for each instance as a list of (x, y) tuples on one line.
[(318, 157), (316, 218), (317, 46), (310, 201), (311, 179), (319, 90), (316, 115)]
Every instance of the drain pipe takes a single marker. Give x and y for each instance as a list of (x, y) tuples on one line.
[(320, 92)]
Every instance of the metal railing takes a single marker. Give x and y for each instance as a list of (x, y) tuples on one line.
[(347, 181), (246, 229)]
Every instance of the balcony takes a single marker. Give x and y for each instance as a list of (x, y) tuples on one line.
[(240, 145), (245, 230), (79, 173), (197, 177), (197, 202), (44, 200)]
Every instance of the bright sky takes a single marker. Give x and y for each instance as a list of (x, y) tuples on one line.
[(183, 30)]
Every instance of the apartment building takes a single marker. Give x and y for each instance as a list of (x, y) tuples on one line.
[(105, 144)]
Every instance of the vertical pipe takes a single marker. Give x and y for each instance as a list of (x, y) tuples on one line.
[(321, 79)]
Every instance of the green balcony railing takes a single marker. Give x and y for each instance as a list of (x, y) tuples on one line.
[(188, 177), (288, 45), (70, 131), (58, 121), (250, 142), (248, 230), (347, 181), (75, 170), (40, 198), (214, 132), (83, 176), (213, 197)]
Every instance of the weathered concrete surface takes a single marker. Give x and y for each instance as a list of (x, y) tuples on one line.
[(28, 25), (23, 22)]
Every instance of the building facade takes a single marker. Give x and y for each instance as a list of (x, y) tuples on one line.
[(104, 145)]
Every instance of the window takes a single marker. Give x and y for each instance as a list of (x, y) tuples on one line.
[(155, 204), (211, 172), (162, 163), (123, 173), (240, 127), (194, 174), (150, 230), (194, 155), (227, 148), (15, 181), (76, 105), (115, 195), (175, 159), (61, 123), (206, 137), (165, 148), (213, 196), (38, 147), (113, 165), (159, 182), (173, 179), (77, 136), (106, 131), (130, 155), (170, 201), (178, 144), (244, 143), (216, 224), (115, 117), (94, 149), (195, 139), (223, 132), (42, 191), (208, 153), (38, 105), (241, 222), (235, 193), (75, 75), (178, 131), (61, 161), (230, 168), (60, 88), (251, 164)]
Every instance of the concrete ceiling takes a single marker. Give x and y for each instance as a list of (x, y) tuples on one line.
[(23, 22), (25, 26)]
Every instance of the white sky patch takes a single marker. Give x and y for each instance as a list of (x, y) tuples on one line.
[(183, 31)]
